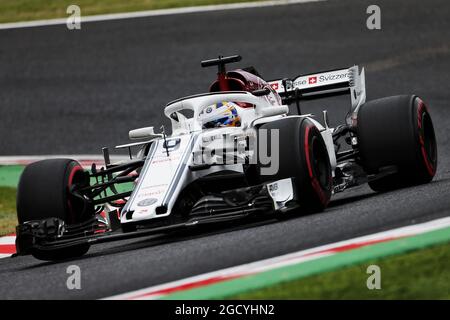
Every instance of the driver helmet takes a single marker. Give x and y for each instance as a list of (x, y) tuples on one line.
[(223, 114)]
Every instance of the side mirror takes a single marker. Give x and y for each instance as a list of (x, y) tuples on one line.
[(143, 133), (273, 111), (261, 92)]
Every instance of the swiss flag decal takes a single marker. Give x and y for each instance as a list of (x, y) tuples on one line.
[(275, 86), (312, 80)]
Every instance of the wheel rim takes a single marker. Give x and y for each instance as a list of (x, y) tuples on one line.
[(429, 139), (320, 166), (75, 205)]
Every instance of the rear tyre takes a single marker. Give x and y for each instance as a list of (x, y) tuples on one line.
[(303, 156), (44, 192), (397, 132)]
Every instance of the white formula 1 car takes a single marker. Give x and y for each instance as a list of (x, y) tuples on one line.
[(234, 152)]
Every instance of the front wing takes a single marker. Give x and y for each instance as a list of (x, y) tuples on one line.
[(277, 197)]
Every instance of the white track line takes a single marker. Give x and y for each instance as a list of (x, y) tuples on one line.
[(154, 13), (154, 292), (8, 240), (84, 159)]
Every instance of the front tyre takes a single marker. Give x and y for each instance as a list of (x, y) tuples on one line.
[(44, 192), (303, 156)]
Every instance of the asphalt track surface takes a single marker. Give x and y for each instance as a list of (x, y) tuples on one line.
[(72, 92)]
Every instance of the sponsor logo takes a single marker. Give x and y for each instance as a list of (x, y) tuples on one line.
[(275, 86), (147, 202), (312, 80), (299, 82), (150, 194), (320, 79), (273, 187), (164, 158), (172, 144), (333, 77), (155, 186)]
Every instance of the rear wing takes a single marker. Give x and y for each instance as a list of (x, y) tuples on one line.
[(323, 84)]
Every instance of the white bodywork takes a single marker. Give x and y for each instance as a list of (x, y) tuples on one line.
[(166, 170)]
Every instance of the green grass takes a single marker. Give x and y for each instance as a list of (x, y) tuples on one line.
[(422, 274), (24, 10), (8, 219), (9, 175)]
